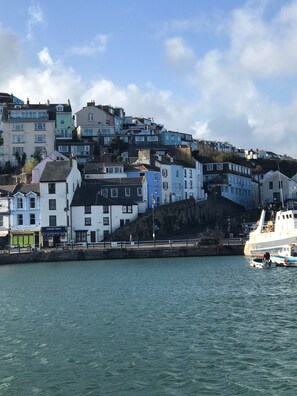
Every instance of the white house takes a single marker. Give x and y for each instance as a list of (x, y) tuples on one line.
[(94, 217), (58, 183)]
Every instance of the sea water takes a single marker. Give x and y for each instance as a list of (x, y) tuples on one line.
[(182, 326)]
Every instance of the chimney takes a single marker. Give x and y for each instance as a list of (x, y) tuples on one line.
[(28, 101)]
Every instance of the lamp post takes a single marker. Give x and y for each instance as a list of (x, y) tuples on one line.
[(153, 207)]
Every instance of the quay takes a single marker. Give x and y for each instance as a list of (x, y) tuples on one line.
[(122, 250)]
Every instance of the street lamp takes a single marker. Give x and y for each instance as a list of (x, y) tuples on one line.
[(153, 207)]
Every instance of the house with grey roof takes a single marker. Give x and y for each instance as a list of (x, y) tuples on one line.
[(24, 222), (95, 217), (58, 183)]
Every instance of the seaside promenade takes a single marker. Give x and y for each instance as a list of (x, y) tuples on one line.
[(123, 250)]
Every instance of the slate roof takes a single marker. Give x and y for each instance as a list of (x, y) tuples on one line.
[(56, 171), (121, 181), (12, 189), (27, 188), (89, 195)]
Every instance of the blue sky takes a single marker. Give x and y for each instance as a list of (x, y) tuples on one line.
[(221, 70)]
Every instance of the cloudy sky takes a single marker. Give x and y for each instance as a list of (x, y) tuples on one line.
[(218, 69)]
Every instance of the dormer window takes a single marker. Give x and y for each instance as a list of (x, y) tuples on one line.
[(60, 108)]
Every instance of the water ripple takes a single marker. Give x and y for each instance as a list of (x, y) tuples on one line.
[(191, 326)]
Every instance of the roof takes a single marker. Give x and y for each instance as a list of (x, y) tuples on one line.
[(89, 195), (56, 171), (126, 181), (10, 189), (27, 188)]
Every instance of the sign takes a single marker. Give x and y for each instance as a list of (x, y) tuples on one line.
[(53, 230)]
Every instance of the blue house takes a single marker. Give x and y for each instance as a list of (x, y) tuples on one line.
[(153, 179)]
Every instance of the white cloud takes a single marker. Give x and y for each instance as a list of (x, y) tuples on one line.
[(96, 46), (178, 55), (35, 18)]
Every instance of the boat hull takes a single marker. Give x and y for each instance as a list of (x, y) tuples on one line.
[(265, 264), (269, 243)]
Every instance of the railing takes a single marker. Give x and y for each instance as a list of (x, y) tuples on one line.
[(149, 244)]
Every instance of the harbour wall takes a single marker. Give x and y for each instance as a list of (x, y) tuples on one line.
[(118, 253)]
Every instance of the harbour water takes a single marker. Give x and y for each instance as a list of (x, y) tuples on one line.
[(183, 326)]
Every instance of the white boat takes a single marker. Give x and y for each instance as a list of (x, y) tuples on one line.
[(286, 256), (257, 262), (272, 235)]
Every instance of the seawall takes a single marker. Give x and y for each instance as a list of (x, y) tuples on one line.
[(118, 253)]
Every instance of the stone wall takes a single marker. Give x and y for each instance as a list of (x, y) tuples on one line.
[(216, 214)]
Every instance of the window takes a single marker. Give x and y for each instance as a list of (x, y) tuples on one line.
[(114, 193), (191, 173), (60, 108), (219, 166), (127, 192), (164, 172), (209, 167), (270, 185), (52, 221), (39, 126), (177, 173), (32, 218), (17, 127), (20, 219), (105, 220), (52, 204), (17, 150), (32, 203), (20, 203), (88, 221), (127, 208), (165, 186), (105, 209), (104, 192), (122, 222), (280, 184), (139, 191), (18, 139), (90, 117), (81, 236), (39, 138), (88, 210), (62, 121), (185, 172), (52, 188)]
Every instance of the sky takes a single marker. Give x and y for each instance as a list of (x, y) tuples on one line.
[(222, 70)]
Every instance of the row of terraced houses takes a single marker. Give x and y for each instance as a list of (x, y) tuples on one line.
[(99, 169)]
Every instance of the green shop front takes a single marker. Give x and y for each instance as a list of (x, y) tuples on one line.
[(53, 236), (25, 238)]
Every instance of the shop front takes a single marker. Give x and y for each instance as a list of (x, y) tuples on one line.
[(25, 238), (53, 236)]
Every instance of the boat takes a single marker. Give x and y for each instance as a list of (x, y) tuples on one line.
[(257, 262), (271, 236), (264, 262), (286, 256)]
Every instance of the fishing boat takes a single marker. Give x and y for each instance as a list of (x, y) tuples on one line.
[(286, 256), (271, 236)]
